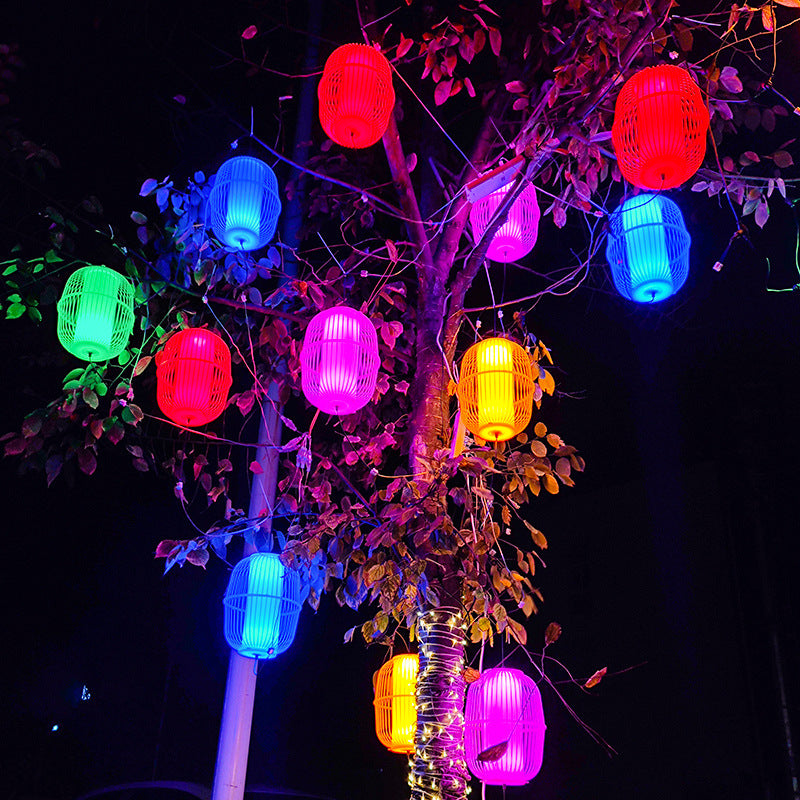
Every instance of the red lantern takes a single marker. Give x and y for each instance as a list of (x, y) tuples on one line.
[(355, 95), (659, 131), (193, 375)]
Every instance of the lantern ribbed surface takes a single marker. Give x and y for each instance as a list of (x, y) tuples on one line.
[(495, 390), (244, 205), (504, 705), (262, 605), (660, 125), (648, 248), (516, 237), (339, 360), (395, 703), (355, 95), (95, 313), (193, 375)]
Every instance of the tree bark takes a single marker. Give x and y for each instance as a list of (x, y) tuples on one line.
[(439, 769)]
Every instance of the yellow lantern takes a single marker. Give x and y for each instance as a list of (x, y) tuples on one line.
[(495, 391), (396, 704)]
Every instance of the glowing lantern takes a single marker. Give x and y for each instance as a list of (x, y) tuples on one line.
[(262, 606), (355, 95), (516, 237), (504, 705), (495, 391), (193, 375), (339, 360), (95, 313), (648, 248), (244, 205), (396, 704), (660, 124)]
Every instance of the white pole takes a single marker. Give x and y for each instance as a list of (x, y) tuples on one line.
[(237, 712)]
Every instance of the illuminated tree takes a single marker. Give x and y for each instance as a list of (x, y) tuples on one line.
[(383, 506)]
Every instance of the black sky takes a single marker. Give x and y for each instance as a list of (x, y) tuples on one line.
[(676, 552)]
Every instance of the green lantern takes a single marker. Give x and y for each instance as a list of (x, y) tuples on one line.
[(95, 313)]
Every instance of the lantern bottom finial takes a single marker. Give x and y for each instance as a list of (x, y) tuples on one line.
[(353, 132), (506, 248), (496, 432), (652, 291), (659, 174), (90, 351), (241, 238)]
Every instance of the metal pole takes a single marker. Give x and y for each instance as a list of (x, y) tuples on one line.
[(240, 691), (237, 712)]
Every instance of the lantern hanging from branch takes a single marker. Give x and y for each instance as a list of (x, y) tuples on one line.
[(495, 390), (516, 237), (504, 707), (95, 313), (660, 125), (244, 205), (355, 95), (339, 360), (395, 703), (648, 248), (193, 375), (262, 606)]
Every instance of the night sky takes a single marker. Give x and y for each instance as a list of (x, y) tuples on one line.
[(673, 561)]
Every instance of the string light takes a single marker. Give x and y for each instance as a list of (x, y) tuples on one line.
[(439, 768)]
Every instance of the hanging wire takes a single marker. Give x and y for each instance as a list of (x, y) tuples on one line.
[(436, 121)]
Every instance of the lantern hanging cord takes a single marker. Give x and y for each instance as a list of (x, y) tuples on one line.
[(375, 199), (433, 117)]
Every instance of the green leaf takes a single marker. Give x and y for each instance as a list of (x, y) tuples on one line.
[(10, 270), (34, 314), (15, 310)]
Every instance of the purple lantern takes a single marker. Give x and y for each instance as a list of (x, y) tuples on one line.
[(517, 236), (339, 360), (504, 705)]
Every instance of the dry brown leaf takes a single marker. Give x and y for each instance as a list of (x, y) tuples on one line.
[(552, 633), (596, 678)]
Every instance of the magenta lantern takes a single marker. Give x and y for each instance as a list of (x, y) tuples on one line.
[(504, 705), (517, 236), (339, 360)]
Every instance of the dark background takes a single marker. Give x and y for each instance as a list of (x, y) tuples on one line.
[(672, 562)]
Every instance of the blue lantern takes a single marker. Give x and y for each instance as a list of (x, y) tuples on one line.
[(648, 248), (262, 605), (244, 205)]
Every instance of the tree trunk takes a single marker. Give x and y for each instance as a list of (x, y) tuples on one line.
[(439, 770)]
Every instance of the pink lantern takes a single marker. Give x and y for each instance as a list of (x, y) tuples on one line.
[(339, 360), (517, 236), (504, 706)]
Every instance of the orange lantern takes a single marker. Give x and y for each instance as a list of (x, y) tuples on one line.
[(660, 125), (495, 391), (396, 703), (193, 376), (355, 95)]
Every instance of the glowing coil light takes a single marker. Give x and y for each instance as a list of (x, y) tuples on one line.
[(355, 95), (339, 360), (495, 391), (395, 703), (504, 705), (516, 237), (648, 248), (244, 205), (660, 125), (95, 313), (262, 605), (193, 376)]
